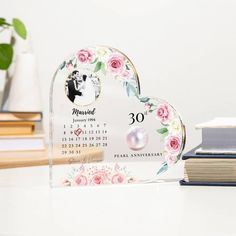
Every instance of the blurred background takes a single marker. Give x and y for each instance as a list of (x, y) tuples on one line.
[(184, 51)]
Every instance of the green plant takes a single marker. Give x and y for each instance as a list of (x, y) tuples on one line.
[(6, 49)]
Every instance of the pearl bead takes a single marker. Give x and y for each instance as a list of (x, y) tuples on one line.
[(137, 138)]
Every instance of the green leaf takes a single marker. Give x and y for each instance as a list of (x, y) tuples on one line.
[(163, 168), (103, 68), (63, 65), (144, 99), (127, 88), (162, 130), (6, 55), (19, 27), (98, 66), (3, 22), (127, 68), (131, 89), (163, 136)]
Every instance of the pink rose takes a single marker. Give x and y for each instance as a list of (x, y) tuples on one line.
[(118, 179), (147, 106), (98, 178), (173, 144), (164, 113), (85, 56), (171, 159), (126, 74), (81, 180), (69, 66), (116, 64)]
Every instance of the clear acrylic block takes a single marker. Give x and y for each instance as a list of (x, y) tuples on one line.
[(102, 130)]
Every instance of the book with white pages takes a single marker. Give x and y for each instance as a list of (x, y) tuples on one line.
[(219, 122), (216, 151), (22, 143)]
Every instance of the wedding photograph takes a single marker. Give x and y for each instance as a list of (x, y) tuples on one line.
[(82, 89)]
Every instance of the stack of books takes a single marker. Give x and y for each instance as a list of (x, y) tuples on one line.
[(21, 131), (214, 161)]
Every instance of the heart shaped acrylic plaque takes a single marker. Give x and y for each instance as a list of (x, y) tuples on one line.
[(102, 130)]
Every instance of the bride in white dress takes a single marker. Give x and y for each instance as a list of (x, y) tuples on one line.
[(85, 85)]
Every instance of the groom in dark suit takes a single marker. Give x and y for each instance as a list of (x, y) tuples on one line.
[(71, 86)]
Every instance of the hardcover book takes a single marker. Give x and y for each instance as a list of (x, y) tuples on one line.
[(7, 116), (16, 128), (205, 169)]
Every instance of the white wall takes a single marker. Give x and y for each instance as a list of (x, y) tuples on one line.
[(185, 50)]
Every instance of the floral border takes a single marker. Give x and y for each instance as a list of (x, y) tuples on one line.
[(94, 175), (106, 60), (171, 131)]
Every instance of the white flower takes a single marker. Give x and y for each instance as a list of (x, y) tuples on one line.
[(101, 52), (175, 126)]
